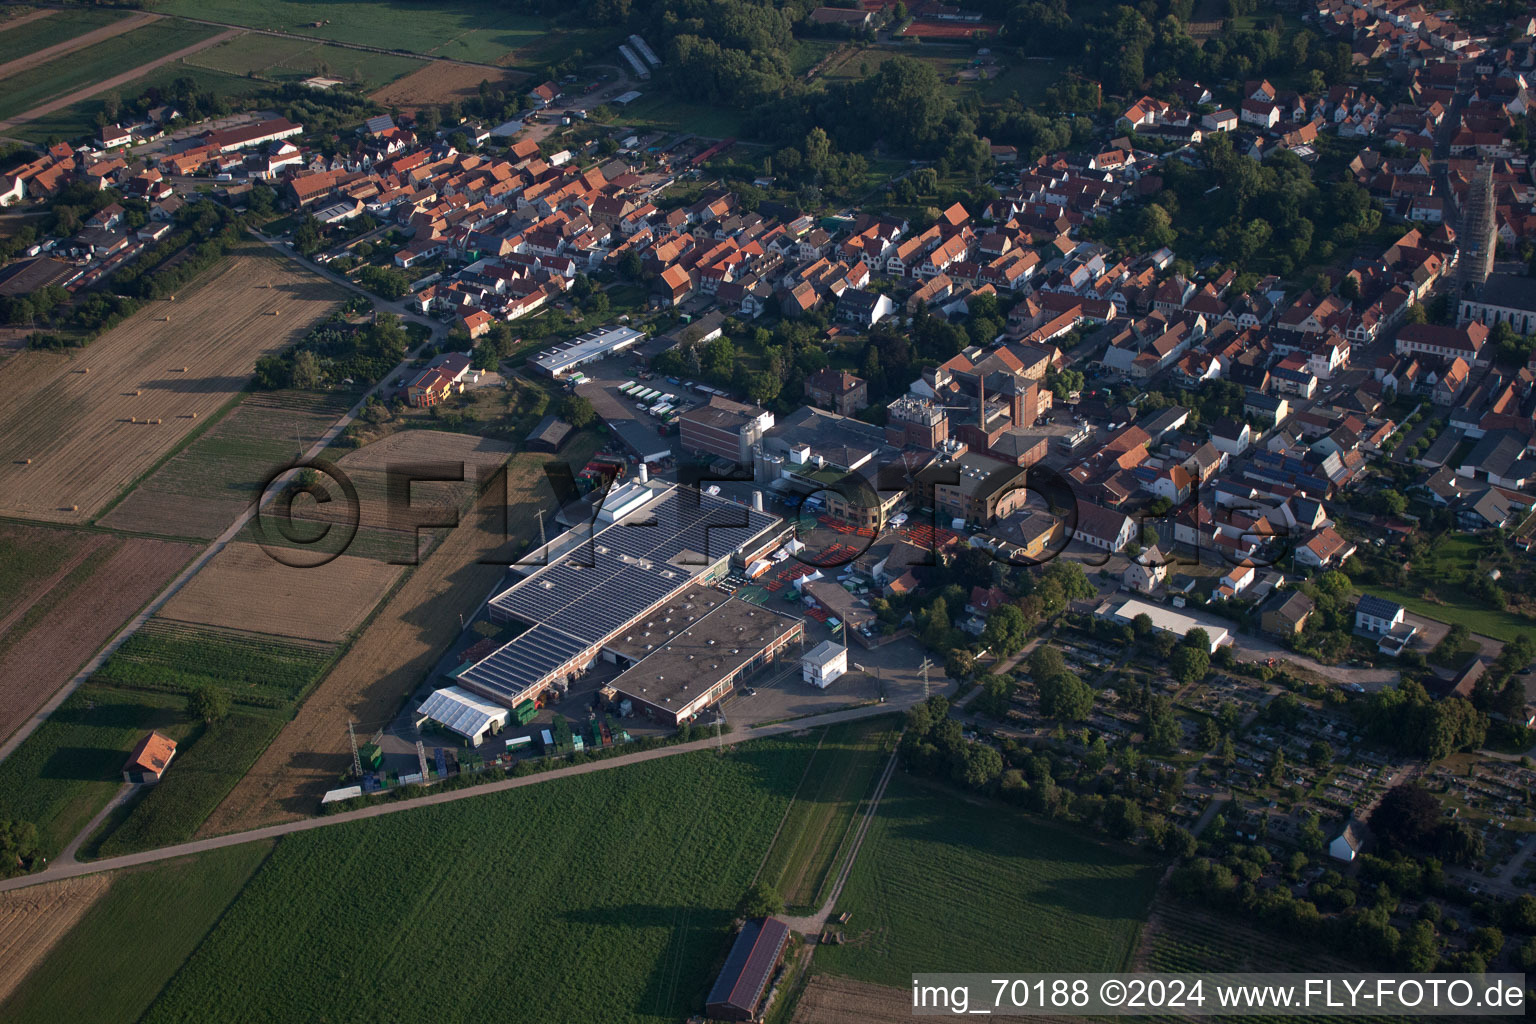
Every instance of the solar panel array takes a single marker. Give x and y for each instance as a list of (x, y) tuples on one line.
[(631, 564), (600, 588), (529, 658)]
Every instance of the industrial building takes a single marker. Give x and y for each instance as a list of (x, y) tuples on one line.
[(722, 641), (463, 714), (561, 359), (651, 545), (743, 981)]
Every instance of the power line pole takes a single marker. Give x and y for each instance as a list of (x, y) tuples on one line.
[(357, 761), (925, 676)]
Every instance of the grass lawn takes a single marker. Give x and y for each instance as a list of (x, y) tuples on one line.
[(58, 27), (109, 967), (658, 111), (1005, 888), (816, 828), (807, 53), (605, 897), (71, 766), (455, 29), (1450, 556), (79, 119), (283, 59), (22, 92)]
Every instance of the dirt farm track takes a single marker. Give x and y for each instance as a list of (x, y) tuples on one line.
[(82, 425)]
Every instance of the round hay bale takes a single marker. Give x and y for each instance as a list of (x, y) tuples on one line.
[(26, 462), (133, 419), (157, 421), (74, 508)]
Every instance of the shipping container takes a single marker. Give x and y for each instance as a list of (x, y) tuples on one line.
[(519, 742)]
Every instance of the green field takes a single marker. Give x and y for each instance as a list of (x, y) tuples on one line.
[(658, 111), (817, 827), (605, 897), (1004, 890), (1451, 556), (456, 30), (257, 670), (71, 766), (80, 118), (28, 557), (58, 27), (20, 93), (109, 967), (206, 768), (282, 59)]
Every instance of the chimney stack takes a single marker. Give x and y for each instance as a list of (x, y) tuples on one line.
[(981, 402), (757, 501), (645, 473)]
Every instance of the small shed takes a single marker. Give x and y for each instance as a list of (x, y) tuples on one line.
[(462, 713), (549, 435), (149, 759)]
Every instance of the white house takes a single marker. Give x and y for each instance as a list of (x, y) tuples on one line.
[(1102, 527), (824, 663), (1377, 615)]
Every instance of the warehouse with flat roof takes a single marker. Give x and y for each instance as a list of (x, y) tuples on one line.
[(705, 660), (1164, 619), (646, 550), (561, 359)]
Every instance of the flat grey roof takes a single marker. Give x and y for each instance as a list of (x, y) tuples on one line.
[(714, 646), (584, 348)]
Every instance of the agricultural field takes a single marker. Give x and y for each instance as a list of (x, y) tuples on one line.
[(214, 759), (71, 766), (112, 964), (283, 59), (244, 588), (1009, 888), (259, 671), (22, 37), (443, 81), (658, 111), (1181, 937), (34, 558), (818, 825), (79, 118), (609, 901), (396, 651), (204, 487), (19, 93), (82, 589), (456, 30), (81, 426), (33, 919), (828, 1000)]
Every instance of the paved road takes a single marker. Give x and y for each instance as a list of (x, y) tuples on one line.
[(207, 554), (58, 869)]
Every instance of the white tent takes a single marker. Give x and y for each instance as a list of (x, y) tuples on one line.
[(463, 713)]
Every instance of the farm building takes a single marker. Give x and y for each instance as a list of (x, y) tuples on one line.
[(743, 981), (149, 759), (652, 543), (463, 714), (824, 663), (548, 436), (561, 359)]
